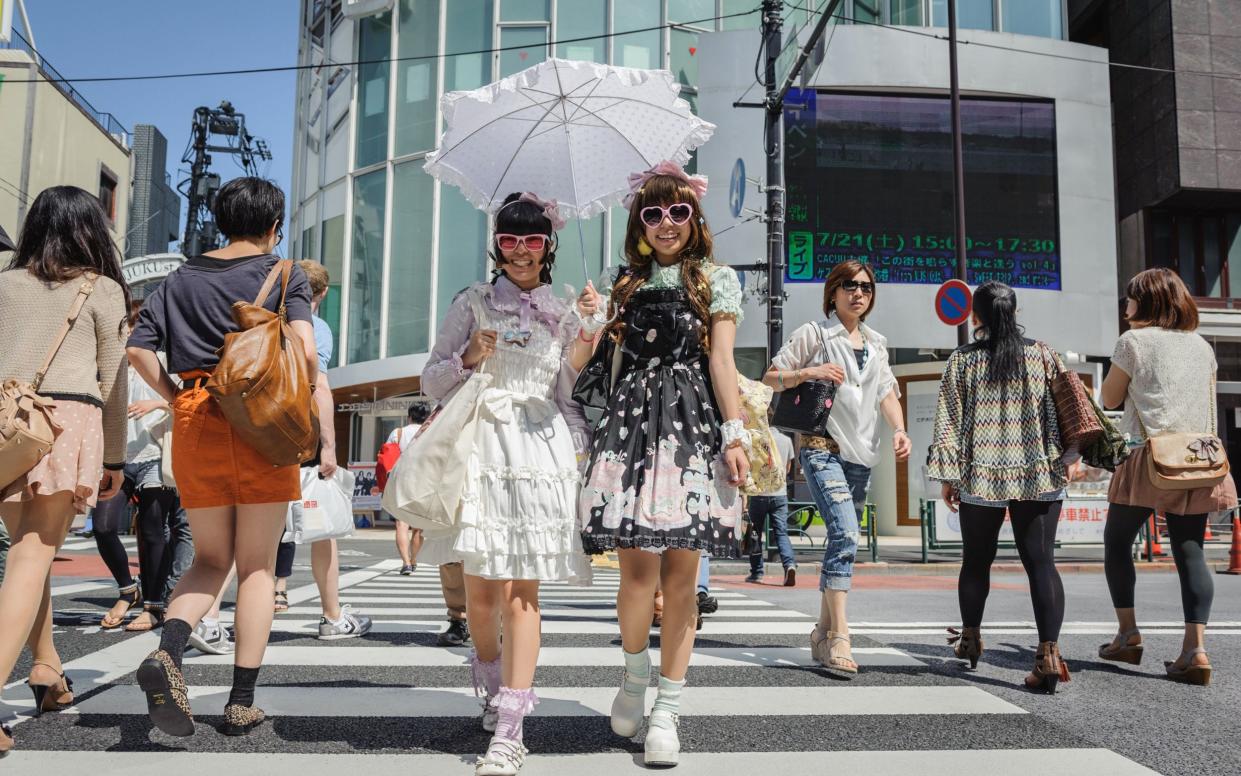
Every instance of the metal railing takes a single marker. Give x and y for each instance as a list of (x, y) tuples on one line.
[(106, 121)]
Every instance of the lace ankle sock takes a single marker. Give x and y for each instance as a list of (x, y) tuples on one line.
[(513, 706), (637, 670), (244, 680), (668, 699), (174, 637), (486, 675)]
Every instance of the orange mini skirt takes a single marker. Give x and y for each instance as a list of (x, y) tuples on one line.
[(215, 468)]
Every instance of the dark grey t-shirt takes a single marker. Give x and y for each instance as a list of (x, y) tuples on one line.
[(191, 311)]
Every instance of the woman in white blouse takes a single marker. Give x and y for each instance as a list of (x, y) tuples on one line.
[(837, 467)]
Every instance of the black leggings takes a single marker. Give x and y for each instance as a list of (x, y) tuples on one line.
[(156, 509), (1185, 533), (1034, 527), (108, 518), (285, 553)]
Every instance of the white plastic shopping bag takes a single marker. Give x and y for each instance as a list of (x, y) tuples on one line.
[(325, 510)]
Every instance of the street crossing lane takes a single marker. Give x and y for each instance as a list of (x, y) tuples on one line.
[(394, 702)]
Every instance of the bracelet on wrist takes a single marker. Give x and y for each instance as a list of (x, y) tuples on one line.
[(587, 339)]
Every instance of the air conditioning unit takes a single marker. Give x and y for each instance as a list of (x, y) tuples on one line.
[(356, 9)]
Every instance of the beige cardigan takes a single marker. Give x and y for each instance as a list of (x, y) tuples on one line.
[(90, 366)]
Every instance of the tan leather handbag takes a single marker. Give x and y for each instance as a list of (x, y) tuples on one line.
[(27, 430), (262, 382), (1186, 460)]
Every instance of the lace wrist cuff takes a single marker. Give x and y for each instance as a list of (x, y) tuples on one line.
[(733, 431)]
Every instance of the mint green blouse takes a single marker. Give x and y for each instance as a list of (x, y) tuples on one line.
[(725, 288)]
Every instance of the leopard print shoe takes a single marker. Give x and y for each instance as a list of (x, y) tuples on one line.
[(168, 703), (240, 720)]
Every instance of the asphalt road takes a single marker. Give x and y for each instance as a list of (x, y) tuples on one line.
[(393, 702)]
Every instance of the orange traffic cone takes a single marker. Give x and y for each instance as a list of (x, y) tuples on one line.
[(1234, 554), (1154, 547), (1208, 536)]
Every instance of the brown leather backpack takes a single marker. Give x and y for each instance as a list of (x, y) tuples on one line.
[(262, 383)]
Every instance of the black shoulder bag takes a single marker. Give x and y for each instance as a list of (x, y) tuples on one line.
[(806, 407)]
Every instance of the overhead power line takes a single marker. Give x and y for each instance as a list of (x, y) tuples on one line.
[(385, 60)]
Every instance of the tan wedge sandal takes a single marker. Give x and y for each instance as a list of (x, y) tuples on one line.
[(1124, 652), (1190, 673)]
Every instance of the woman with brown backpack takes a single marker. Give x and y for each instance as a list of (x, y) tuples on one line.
[(235, 493), (63, 305)]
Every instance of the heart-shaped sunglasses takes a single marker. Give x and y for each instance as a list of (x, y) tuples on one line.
[(678, 214)]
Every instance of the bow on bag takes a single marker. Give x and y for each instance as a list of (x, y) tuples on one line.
[(499, 405), (697, 183), (1206, 449)]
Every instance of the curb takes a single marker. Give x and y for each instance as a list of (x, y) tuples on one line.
[(942, 569)]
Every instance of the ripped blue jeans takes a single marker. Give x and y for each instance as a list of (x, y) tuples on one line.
[(839, 491)]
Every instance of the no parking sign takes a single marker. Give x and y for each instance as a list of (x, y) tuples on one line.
[(953, 302)]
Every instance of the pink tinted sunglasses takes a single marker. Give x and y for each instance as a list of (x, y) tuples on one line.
[(533, 242), (678, 214)]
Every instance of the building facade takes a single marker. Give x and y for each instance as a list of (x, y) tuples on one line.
[(155, 208), (53, 136)]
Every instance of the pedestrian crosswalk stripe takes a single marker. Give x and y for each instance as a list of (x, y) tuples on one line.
[(710, 626), (696, 701), (429, 657), (77, 544), (943, 762), (607, 614), (544, 600)]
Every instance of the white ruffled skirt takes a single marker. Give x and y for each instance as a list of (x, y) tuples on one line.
[(518, 513)]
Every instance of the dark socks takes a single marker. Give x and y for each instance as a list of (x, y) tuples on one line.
[(175, 636), (243, 686)]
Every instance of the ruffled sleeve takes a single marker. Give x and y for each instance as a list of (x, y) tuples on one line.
[(946, 453), (444, 370), (725, 292)]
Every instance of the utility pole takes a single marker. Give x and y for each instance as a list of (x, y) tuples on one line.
[(958, 162), (773, 147), (201, 234)]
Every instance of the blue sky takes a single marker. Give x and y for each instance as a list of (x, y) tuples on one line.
[(82, 38)]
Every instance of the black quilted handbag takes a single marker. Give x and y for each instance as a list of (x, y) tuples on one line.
[(806, 407)]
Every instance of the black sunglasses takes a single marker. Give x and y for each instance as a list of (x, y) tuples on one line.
[(853, 285)]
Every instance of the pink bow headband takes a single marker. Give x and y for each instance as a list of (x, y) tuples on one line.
[(550, 208), (698, 183)]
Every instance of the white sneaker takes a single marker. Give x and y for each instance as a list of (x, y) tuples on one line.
[(213, 640), (503, 758), (350, 626), (663, 745)]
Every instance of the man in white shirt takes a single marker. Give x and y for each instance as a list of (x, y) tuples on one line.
[(774, 507)]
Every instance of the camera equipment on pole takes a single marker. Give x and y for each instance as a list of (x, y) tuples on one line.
[(201, 234)]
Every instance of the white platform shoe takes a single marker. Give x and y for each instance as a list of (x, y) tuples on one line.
[(663, 744), (629, 706)]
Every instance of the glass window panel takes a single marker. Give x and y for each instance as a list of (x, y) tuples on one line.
[(409, 273), (525, 10), (418, 35), (1185, 253), (971, 14), (366, 268), (866, 11), (375, 43), (1232, 250), (573, 245), (463, 247), (1033, 17), (684, 56), (1211, 257), (687, 11), (905, 12), (749, 21), (531, 48), (637, 49), (306, 248), (581, 19), (468, 28), (333, 259)]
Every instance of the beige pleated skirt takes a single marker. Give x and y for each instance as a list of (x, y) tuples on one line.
[(75, 463), (1132, 486)]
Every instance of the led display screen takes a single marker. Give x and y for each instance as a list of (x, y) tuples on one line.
[(869, 177)]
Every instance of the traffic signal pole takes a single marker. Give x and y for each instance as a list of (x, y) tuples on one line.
[(958, 163)]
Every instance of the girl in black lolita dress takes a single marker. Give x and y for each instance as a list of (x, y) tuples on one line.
[(666, 457)]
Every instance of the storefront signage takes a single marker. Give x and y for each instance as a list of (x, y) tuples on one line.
[(145, 268), (383, 405), (1081, 522)]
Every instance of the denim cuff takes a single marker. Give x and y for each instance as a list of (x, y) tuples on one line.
[(834, 582)]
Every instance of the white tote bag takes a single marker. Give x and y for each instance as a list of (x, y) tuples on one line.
[(325, 510)]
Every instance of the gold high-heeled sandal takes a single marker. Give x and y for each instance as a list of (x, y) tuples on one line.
[(1049, 669), (968, 644)]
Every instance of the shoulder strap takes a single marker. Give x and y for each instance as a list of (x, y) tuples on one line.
[(281, 268), (75, 310), (822, 342), (398, 434)]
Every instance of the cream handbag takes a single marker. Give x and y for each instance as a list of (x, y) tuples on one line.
[(1186, 460)]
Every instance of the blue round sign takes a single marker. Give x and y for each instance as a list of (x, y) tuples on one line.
[(736, 189), (953, 302)]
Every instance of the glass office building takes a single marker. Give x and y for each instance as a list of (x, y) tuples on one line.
[(398, 244)]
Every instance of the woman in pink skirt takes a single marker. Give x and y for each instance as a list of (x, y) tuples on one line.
[(1163, 372), (65, 251)]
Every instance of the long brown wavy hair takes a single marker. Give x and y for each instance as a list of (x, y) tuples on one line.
[(664, 190)]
